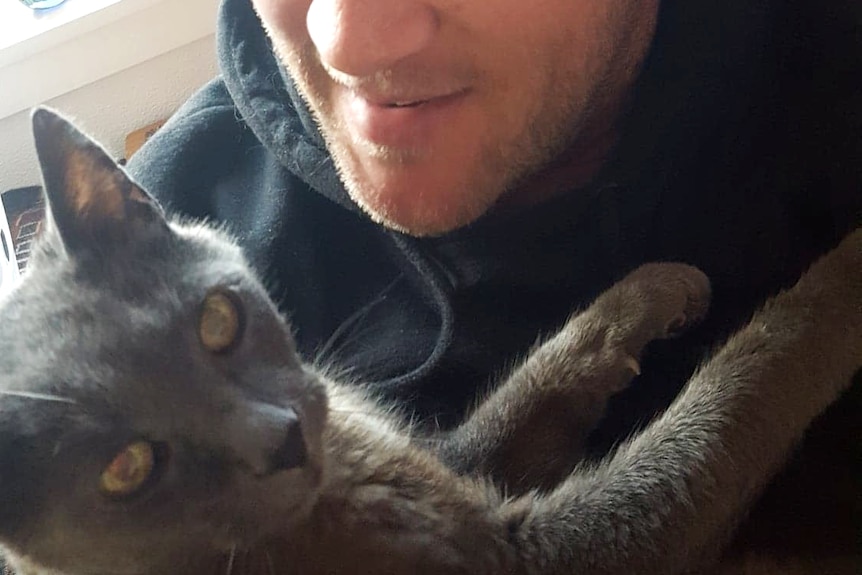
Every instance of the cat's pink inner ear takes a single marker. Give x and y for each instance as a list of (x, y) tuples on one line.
[(95, 190)]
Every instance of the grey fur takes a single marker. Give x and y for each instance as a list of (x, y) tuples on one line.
[(99, 348)]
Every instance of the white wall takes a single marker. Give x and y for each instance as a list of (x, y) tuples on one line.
[(112, 65), (110, 108)]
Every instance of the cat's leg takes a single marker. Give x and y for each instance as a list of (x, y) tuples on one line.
[(531, 431), (668, 499)]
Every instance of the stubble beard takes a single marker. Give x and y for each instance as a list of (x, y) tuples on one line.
[(504, 166)]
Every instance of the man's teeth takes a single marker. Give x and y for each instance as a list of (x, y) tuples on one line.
[(404, 104)]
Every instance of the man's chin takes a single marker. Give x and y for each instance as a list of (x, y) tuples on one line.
[(420, 219), (416, 226), (420, 195)]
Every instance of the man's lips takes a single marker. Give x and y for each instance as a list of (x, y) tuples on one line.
[(401, 122), (405, 104), (402, 98)]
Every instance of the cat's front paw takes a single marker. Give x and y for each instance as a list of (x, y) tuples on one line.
[(848, 254), (657, 301), (676, 295)]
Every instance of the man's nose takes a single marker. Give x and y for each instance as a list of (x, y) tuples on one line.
[(361, 37)]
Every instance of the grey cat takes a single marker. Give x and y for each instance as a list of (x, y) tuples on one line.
[(155, 417)]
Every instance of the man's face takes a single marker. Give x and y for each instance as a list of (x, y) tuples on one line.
[(434, 109)]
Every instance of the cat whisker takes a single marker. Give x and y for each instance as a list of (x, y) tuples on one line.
[(38, 396), (230, 559), (353, 411), (270, 566)]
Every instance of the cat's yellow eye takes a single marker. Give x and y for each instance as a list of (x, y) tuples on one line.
[(220, 321), (129, 471)]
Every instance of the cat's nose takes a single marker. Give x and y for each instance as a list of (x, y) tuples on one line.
[(267, 438), (292, 452)]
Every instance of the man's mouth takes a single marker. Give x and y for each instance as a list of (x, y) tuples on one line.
[(401, 121), (405, 104)]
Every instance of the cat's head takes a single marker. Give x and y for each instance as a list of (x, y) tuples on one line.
[(152, 407)]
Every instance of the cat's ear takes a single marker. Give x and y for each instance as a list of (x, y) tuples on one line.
[(92, 201)]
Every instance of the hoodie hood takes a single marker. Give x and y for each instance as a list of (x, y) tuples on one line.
[(269, 103)]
